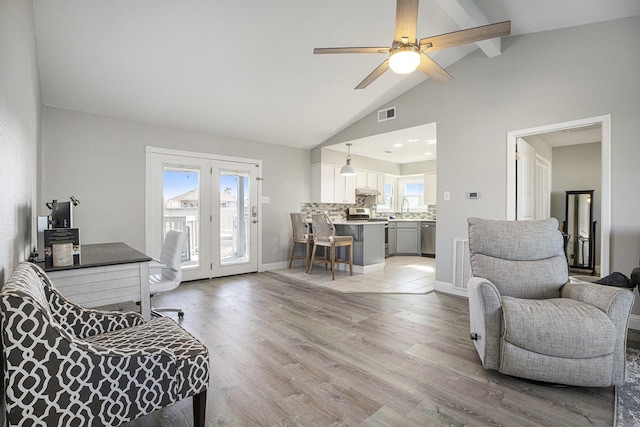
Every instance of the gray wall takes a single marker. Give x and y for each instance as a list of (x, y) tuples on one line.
[(101, 161), (19, 133), (542, 78)]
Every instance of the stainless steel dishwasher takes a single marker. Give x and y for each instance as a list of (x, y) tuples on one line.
[(428, 239)]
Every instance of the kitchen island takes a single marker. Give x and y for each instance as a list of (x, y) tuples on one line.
[(368, 244)]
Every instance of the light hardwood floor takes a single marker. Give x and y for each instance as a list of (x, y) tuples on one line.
[(286, 353)]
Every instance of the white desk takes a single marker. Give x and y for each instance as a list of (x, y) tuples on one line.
[(108, 273)]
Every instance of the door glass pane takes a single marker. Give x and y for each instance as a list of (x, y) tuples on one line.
[(181, 209), (234, 218)]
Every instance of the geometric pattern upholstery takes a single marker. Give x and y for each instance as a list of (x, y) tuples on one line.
[(65, 365), (528, 320)]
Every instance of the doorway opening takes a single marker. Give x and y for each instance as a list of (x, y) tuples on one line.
[(603, 123)]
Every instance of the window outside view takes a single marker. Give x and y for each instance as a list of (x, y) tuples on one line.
[(182, 199)]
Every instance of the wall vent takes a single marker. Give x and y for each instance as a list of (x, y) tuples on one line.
[(461, 263), (386, 114)]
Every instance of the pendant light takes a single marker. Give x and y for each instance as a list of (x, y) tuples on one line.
[(348, 169)]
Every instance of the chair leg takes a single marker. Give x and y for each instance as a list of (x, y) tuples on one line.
[(313, 255), (293, 250), (199, 408), (333, 261), (351, 259)]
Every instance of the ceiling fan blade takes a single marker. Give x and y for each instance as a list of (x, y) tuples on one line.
[(321, 50), (406, 20), (374, 75), (471, 35), (429, 67)]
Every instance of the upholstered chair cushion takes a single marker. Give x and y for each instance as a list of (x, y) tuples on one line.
[(65, 365)]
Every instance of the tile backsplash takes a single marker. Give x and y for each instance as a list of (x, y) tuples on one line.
[(338, 211)]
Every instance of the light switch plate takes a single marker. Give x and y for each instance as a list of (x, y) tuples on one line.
[(265, 199), (447, 195)]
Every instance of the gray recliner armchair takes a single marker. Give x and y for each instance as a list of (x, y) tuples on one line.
[(527, 320)]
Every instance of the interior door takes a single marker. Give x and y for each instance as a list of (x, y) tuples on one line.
[(542, 188), (525, 181), (235, 220)]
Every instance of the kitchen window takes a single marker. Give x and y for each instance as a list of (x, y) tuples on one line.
[(411, 188), (388, 198)]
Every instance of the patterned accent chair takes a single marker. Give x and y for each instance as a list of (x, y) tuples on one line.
[(528, 320), (65, 365)]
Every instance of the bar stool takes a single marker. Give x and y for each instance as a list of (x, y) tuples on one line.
[(300, 235), (324, 234)]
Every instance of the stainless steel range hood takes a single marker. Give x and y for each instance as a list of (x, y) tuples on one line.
[(366, 191)]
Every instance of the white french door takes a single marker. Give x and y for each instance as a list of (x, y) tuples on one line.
[(235, 221), (212, 199)]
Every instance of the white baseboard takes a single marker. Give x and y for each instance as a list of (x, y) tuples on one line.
[(448, 288), (274, 266)]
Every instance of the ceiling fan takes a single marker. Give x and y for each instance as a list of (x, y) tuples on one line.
[(407, 53)]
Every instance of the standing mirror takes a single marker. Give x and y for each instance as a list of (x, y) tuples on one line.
[(580, 230)]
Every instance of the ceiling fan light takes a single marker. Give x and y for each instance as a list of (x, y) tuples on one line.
[(404, 59)]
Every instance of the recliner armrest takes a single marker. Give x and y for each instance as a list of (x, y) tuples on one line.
[(597, 295), (617, 304), (485, 320)]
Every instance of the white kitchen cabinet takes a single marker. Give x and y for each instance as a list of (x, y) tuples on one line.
[(322, 183), (366, 179), (328, 186), (373, 181), (344, 187), (392, 238), (408, 237)]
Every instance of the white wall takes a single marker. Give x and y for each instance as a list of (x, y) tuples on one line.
[(101, 161), (541, 78), (19, 133)]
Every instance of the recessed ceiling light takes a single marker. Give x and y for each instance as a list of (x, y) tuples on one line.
[(397, 145), (414, 140), (427, 154), (430, 141)]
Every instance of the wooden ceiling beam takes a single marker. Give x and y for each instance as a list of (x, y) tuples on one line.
[(467, 14)]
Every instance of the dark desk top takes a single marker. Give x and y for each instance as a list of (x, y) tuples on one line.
[(102, 254)]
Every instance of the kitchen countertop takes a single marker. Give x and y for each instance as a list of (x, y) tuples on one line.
[(347, 222)]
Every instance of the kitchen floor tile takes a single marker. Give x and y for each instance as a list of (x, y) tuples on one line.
[(401, 274)]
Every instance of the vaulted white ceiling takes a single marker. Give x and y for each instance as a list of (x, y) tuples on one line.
[(245, 68)]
